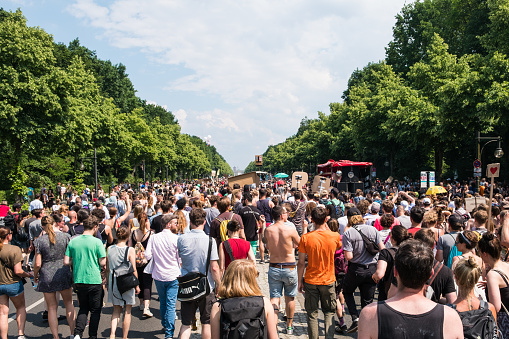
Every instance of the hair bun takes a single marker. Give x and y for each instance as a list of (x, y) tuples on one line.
[(489, 236), (472, 262)]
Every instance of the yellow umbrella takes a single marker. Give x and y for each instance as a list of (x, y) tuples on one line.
[(436, 190)]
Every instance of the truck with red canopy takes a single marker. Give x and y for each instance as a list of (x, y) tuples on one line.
[(347, 175)]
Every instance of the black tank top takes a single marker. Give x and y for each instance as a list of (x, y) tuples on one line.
[(504, 291), (264, 207), (395, 325)]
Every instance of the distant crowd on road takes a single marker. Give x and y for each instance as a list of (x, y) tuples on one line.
[(430, 259)]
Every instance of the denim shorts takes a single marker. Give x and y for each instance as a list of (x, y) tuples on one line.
[(280, 278), (12, 290)]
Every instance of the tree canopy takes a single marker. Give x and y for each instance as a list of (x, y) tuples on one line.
[(60, 102), (444, 78)]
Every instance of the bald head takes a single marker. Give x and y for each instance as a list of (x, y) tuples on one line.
[(72, 215)]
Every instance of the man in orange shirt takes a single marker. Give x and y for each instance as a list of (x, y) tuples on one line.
[(319, 280)]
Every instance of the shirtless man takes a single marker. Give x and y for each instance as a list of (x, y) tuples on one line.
[(281, 240), (409, 314)]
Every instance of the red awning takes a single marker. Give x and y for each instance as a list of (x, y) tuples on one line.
[(328, 163)]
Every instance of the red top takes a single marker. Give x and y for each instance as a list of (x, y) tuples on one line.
[(4, 210), (240, 249), (379, 227), (413, 230)]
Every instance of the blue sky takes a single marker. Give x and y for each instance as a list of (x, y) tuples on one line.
[(242, 74)]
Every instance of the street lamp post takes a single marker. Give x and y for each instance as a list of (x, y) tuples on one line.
[(95, 168), (499, 153)]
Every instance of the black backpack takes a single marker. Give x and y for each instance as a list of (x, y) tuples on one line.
[(10, 222), (243, 317), (479, 323)]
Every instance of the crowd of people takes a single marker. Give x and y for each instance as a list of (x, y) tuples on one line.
[(425, 259)]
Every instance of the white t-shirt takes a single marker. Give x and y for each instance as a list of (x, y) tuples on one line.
[(343, 222)]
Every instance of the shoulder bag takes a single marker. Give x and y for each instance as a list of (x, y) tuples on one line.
[(127, 280), (371, 247), (195, 285)]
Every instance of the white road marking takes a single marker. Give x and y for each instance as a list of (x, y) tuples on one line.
[(37, 303)]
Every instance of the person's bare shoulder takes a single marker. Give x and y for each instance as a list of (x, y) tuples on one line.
[(453, 327), (368, 322)]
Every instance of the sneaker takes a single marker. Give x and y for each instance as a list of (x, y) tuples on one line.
[(61, 317), (22, 337), (45, 315), (77, 336), (353, 328), (289, 330), (147, 313), (341, 329)]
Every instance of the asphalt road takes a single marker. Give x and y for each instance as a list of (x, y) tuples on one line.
[(141, 327)]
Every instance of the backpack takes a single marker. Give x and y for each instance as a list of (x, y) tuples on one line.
[(22, 235), (339, 210), (10, 222), (340, 264), (479, 323), (140, 250), (243, 317), (428, 290), (453, 253), (72, 231), (223, 230)]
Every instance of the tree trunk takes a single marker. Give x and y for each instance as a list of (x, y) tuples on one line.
[(439, 160)]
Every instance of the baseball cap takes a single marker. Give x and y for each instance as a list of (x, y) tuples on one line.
[(353, 211), (456, 220), (426, 201)]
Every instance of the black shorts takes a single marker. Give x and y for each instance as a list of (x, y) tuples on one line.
[(188, 309), (339, 283)]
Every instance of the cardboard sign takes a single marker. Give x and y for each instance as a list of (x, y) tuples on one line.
[(493, 170), (245, 179), (471, 203), (320, 184), (299, 179)]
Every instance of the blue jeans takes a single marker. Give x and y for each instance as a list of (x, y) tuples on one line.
[(167, 291)]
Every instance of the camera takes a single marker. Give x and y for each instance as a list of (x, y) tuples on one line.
[(298, 177)]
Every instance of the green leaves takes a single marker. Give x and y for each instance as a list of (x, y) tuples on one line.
[(58, 103)]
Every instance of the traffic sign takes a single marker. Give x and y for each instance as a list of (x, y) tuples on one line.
[(477, 163)]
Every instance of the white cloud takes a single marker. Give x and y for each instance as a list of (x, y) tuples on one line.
[(181, 116), (268, 63)]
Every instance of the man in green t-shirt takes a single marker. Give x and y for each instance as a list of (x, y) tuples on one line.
[(87, 256)]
